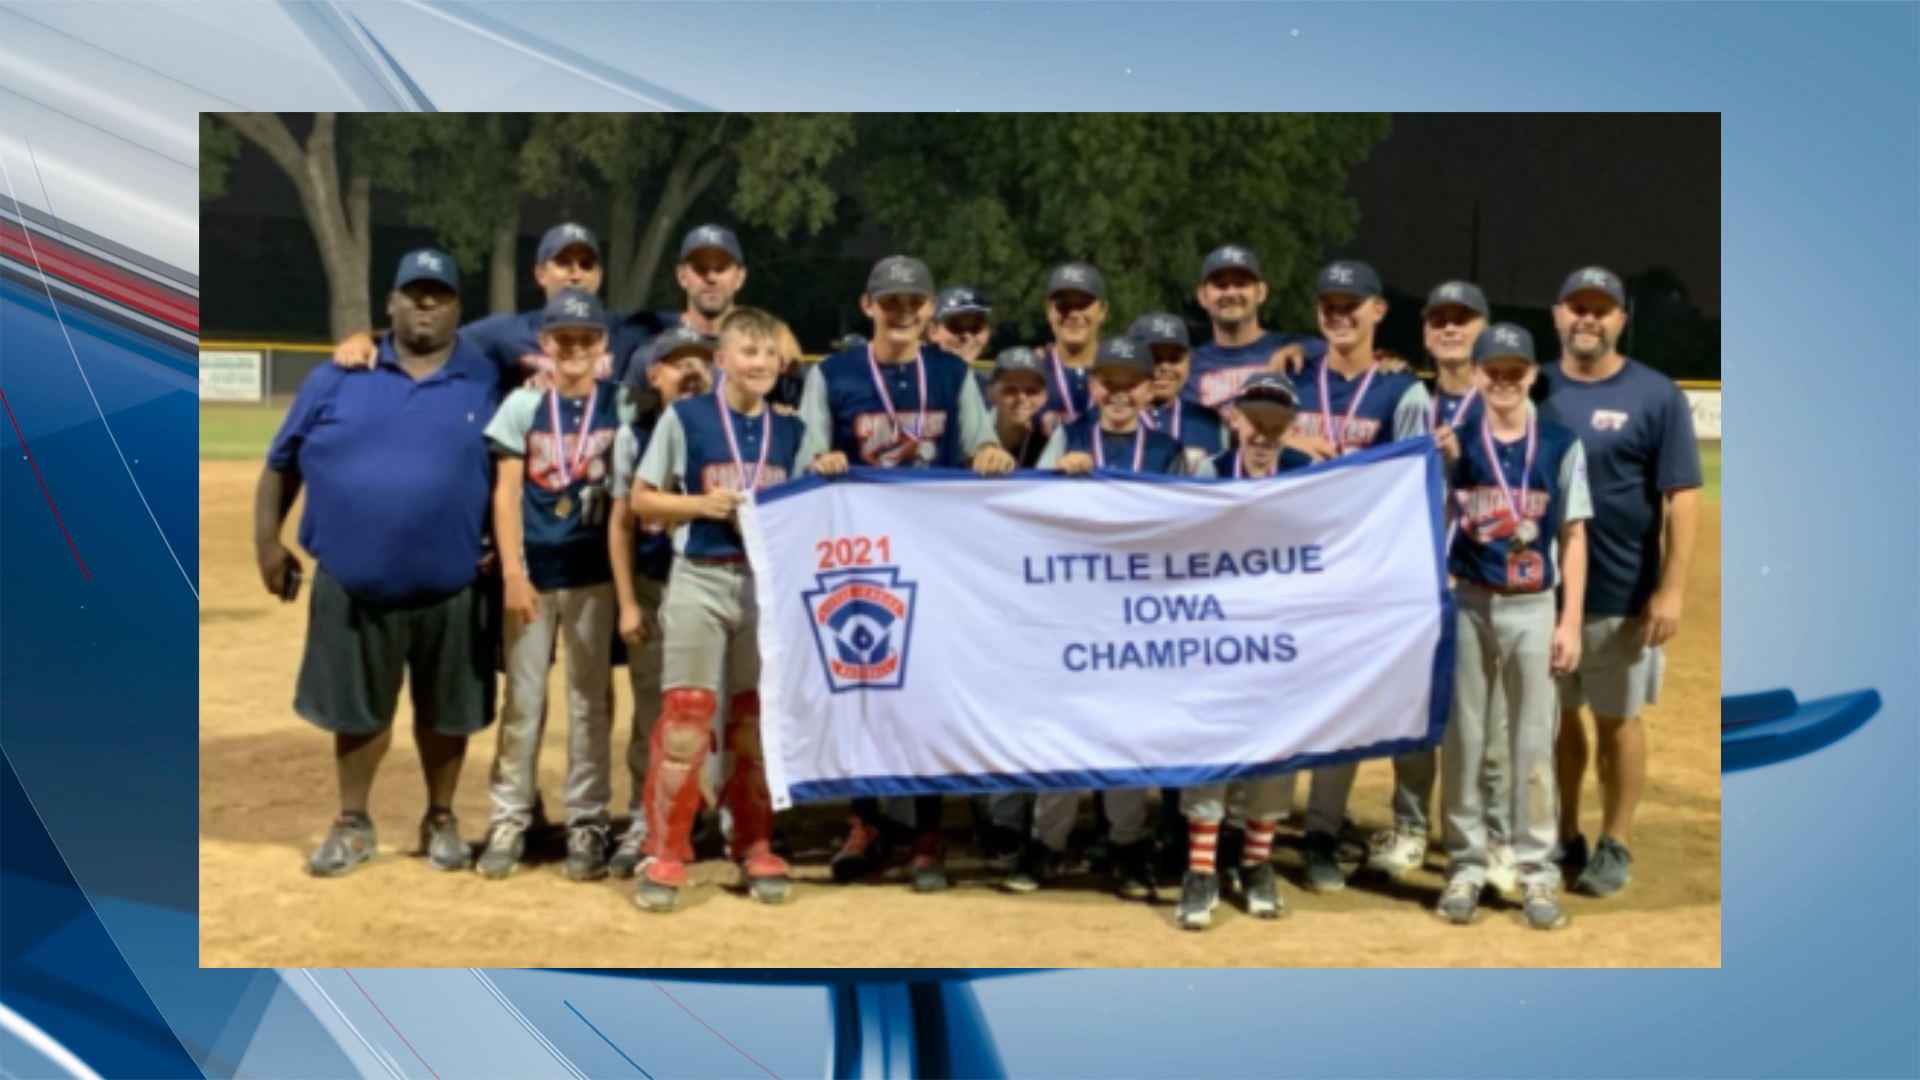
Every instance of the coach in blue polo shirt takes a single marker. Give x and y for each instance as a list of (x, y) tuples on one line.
[(1643, 469), (398, 478)]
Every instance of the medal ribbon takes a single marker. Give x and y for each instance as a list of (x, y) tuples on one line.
[(1460, 410), (886, 399), (570, 469), (1174, 409), (1066, 388), (1139, 448), (733, 444), (1338, 436), (1526, 472)]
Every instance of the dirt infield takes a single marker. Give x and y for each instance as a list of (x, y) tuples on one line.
[(267, 795)]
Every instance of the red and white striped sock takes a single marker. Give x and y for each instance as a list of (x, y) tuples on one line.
[(1203, 838), (1259, 843)]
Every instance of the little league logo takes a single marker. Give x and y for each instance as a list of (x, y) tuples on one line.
[(862, 621)]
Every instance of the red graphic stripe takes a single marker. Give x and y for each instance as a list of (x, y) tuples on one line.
[(43, 485), (717, 1035), (100, 278), (396, 1031)]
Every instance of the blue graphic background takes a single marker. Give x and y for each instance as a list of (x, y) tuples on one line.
[(1821, 163)]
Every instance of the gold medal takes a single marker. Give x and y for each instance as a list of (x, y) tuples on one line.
[(564, 508)]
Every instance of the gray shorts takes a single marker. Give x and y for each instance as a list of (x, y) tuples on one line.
[(1619, 674), (359, 653)]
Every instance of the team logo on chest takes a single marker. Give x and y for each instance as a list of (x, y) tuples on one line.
[(862, 621), (1609, 420)]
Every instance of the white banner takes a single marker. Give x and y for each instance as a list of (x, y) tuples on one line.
[(1706, 412), (231, 376), (931, 632)]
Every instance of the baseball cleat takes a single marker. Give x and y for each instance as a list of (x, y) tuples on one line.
[(1262, 889), (928, 870), (1199, 895), (626, 858), (440, 840), (1460, 902), (1350, 844), (1503, 873), (1608, 872), (1541, 909), (1133, 870), (506, 843), (660, 885), (1571, 857), (1003, 849), (1323, 873), (766, 874), (860, 853), (349, 843), (1398, 851), (586, 852), (1039, 865)]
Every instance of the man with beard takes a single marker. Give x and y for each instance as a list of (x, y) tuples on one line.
[(1643, 469), (397, 475), (1231, 291), (677, 365), (1076, 308)]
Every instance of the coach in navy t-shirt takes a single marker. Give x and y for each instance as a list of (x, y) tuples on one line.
[(1643, 469), (397, 477), (1231, 290)]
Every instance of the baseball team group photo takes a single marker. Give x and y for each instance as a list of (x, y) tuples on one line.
[(960, 540)]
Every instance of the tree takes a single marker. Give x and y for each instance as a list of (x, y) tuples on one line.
[(996, 200), (654, 166), (336, 202), (461, 175)]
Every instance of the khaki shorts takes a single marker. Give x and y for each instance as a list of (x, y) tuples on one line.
[(1619, 675)]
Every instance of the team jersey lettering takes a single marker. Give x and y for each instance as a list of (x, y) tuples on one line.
[(1217, 388), (1486, 516), (725, 476), (1355, 434), (888, 446), (543, 463), (1609, 420)]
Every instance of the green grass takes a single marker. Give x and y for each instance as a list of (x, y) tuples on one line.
[(238, 432), (1710, 464)]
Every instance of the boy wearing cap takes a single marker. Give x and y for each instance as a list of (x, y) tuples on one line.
[(1076, 309), (897, 403), (396, 474), (707, 454), (1017, 393), (1112, 437), (1195, 427), (1231, 291), (1520, 504), (550, 520), (1263, 413), (1350, 402), (1637, 430), (1454, 316), (962, 323), (641, 552)]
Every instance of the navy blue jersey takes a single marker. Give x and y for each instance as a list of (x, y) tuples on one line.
[(1638, 432), (1393, 407), (858, 424), (1219, 370), (1069, 396), (1445, 410), (628, 335), (396, 472), (692, 452), (1226, 465), (1157, 451), (1549, 494), (652, 541), (563, 512), (1195, 427)]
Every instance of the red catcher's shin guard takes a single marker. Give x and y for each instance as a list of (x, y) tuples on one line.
[(745, 792), (682, 738)]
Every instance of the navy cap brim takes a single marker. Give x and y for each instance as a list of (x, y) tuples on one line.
[(1765, 729)]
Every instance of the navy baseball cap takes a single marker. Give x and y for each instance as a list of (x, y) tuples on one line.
[(1349, 276), (428, 264), (1268, 386), (717, 237), (1230, 257), (1460, 294), (1503, 341), (1160, 328), (676, 339), (960, 300), (1124, 353), (561, 237), (1018, 359), (573, 308), (899, 275), (1076, 277), (1595, 279)]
